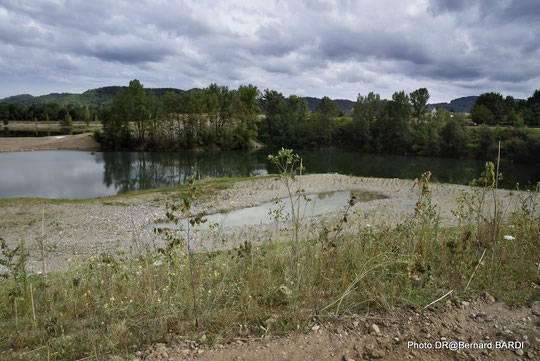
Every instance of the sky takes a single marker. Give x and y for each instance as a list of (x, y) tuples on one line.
[(318, 48)]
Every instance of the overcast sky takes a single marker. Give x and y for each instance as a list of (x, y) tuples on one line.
[(313, 47)]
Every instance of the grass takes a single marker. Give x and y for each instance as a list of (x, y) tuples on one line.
[(115, 305)]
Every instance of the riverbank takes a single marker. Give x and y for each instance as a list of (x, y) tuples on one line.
[(60, 142), (81, 229), (125, 291)]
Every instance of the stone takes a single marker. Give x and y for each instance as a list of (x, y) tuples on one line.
[(316, 328), (378, 353), (519, 352), (530, 354), (465, 303), (374, 329)]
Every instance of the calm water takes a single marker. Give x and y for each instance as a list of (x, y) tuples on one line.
[(320, 203), (74, 174)]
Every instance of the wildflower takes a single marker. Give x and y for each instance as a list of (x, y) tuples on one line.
[(509, 238), (231, 203), (92, 259), (368, 225), (158, 263), (112, 299)]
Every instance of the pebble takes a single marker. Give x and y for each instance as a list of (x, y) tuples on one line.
[(519, 352), (374, 329), (316, 328), (465, 303)]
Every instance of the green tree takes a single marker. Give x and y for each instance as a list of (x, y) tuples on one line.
[(419, 100), (325, 122), (453, 138), (366, 111), (394, 128), (480, 114), (86, 115), (496, 105), (272, 128)]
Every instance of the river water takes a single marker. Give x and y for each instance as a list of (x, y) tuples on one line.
[(77, 174)]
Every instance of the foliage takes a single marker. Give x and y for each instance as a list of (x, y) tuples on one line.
[(109, 304)]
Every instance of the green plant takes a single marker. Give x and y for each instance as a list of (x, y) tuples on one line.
[(286, 162), (180, 238)]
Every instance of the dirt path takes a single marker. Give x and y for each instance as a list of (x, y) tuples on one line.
[(60, 142), (512, 334)]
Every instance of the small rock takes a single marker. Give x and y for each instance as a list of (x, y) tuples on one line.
[(525, 337), (374, 329), (465, 303), (378, 353), (136, 359), (396, 339), (355, 323), (519, 352), (315, 328), (116, 358), (530, 354)]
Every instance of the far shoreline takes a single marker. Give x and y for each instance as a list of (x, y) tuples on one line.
[(83, 142)]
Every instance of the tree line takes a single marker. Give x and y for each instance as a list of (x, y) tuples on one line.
[(217, 117), (51, 112)]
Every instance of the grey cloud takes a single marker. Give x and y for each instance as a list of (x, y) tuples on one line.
[(130, 54), (320, 47)]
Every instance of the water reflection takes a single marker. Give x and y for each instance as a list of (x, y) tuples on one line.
[(74, 174), (320, 203)]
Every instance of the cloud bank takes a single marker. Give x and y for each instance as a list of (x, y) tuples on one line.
[(311, 47)]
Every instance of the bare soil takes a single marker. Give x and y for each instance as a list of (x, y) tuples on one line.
[(59, 142), (386, 336)]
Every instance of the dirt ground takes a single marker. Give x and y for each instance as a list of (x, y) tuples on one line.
[(490, 329), (59, 142)]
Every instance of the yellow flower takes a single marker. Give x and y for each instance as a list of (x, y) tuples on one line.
[(92, 259)]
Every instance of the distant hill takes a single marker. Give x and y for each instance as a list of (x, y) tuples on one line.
[(459, 105), (344, 104), (104, 96), (93, 98)]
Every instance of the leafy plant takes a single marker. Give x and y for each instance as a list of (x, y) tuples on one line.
[(180, 237)]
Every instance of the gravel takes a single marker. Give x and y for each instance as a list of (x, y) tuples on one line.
[(80, 230)]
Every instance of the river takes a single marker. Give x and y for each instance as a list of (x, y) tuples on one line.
[(79, 175)]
